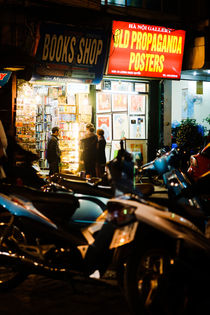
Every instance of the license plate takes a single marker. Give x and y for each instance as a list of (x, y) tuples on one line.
[(124, 235)]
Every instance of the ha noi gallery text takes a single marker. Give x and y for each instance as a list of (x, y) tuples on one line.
[(148, 48)]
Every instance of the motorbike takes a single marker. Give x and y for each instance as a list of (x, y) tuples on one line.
[(24, 173), (45, 233), (48, 218), (199, 163), (164, 249), (160, 256), (153, 170)]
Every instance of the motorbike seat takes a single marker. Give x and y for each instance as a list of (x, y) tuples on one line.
[(59, 206), (83, 186)]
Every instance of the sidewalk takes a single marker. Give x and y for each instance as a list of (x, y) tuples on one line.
[(42, 295)]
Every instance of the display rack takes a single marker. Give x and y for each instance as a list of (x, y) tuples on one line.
[(26, 118), (53, 106)]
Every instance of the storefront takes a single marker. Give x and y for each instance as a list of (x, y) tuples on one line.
[(129, 102), (70, 62), (70, 90), (43, 105)]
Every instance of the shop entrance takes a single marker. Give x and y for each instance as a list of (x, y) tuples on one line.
[(42, 106)]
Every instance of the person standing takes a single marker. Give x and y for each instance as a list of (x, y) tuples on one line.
[(89, 147), (100, 156), (53, 152), (3, 146)]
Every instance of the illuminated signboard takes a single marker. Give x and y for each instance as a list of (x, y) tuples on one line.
[(145, 50), (70, 52)]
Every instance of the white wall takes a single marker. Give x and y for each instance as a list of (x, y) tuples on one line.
[(201, 101)]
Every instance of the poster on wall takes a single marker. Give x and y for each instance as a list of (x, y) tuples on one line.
[(108, 151), (137, 127), (137, 104), (188, 104), (115, 148), (103, 102), (104, 122), (140, 87), (122, 86), (120, 126), (119, 102), (138, 148)]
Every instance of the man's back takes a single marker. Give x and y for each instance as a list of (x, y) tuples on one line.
[(53, 151)]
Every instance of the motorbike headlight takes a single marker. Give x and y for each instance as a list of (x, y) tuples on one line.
[(120, 213)]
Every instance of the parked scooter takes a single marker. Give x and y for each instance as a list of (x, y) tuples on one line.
[(157, 254), (199, 163), (153, 170), (25, 174), (165, 251)]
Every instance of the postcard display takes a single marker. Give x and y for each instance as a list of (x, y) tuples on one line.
[(121, 111), (41, 107)]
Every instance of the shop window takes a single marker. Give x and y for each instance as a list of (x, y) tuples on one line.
[(42, 106), (167, 6), (123, 3), (121, 111)]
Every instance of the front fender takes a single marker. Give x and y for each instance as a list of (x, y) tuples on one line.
[(169, 223), (24, 209)]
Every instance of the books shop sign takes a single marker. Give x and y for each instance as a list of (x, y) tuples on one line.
[(71, 53), (145, 50)]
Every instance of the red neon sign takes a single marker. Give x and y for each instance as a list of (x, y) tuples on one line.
[(145, 50)]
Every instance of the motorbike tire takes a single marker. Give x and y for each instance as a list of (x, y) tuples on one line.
[(153, 285), (10, 275)]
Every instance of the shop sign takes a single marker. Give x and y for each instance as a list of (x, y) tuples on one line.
[(145, 50), (4, 77), (71, 52)]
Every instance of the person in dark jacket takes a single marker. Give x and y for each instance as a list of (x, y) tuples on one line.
[(100, 156), (89, 146), (53, 152)]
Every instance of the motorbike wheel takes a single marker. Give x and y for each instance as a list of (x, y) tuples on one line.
[(10, 275), (153, 284)]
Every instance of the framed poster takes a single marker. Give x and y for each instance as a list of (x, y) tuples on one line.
[(138, 148), (141, 87), (103, 102), (119, 102), (120, 126), (104, 122), (108, 151), (122, 86), (137, 104), (137, 127), (115, 148)]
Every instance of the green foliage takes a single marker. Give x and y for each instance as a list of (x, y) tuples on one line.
[(207, 119), (189, 135)]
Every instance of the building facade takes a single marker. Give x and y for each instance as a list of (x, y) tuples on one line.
[(107, 99)]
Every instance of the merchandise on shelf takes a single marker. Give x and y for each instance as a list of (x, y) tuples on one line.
[(42, 107), (26, 117)]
